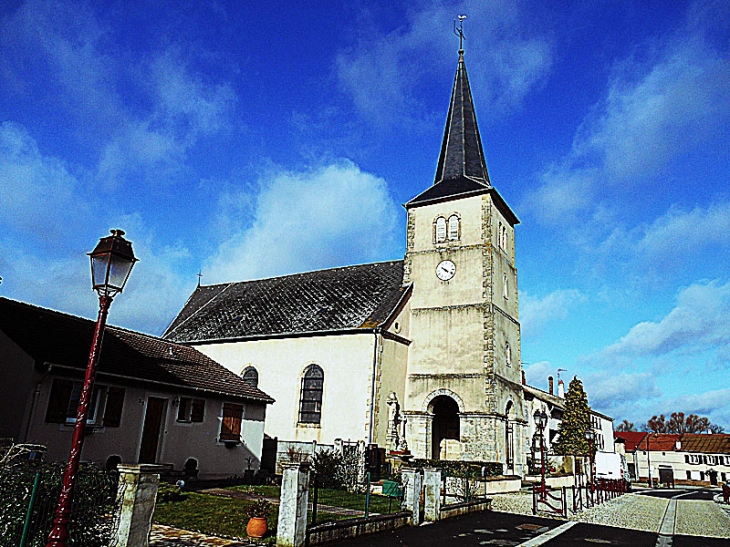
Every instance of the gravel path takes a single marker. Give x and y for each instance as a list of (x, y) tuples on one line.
[(701, 518)]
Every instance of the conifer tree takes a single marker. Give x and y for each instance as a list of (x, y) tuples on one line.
[(576, 421)]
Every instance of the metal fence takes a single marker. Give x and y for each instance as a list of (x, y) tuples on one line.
[(30, 493), (577, 497)]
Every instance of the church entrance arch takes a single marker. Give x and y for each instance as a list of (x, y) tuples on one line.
[(445, 427)]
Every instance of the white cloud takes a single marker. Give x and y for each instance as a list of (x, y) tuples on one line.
[(652, 113), (700, 321), (505, 66), (36, 192), (537, 313), (692, 231), (536, 374), (326, 217), (713, 404)]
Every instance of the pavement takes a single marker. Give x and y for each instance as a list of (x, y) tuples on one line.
[(683, 511)]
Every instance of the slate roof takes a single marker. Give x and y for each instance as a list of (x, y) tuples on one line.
[(338, 299), (63, 340), (462, 169)]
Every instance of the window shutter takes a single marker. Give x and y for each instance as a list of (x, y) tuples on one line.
[(686, 458), (58, 401), (440, 229), (114, 406), (231, 424), (198, 412)]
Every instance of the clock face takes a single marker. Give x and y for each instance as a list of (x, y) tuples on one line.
[(445, 270)]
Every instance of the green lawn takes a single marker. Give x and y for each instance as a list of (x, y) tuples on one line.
[(214, 515), (226, 517)]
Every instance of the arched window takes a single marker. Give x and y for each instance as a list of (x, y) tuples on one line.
[(251, 376), (440, 229), (453, 227), (508, 354), (503, 236), (505, 286), (310, 403)]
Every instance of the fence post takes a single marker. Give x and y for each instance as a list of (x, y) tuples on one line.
[(412, 481), (291, 530), (432, 498), (136, 496), (29, 512)]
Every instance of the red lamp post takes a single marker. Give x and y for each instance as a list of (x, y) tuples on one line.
[(111, 263), (541, 422)]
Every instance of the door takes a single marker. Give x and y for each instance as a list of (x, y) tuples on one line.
[(151, 429)]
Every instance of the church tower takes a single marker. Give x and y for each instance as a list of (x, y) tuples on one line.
[(464, 396)]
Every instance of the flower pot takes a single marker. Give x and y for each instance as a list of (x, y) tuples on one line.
[(256, 527)]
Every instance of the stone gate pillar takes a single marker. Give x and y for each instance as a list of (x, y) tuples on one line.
[(136, 498), (432, 494), (291, 530), (413, 483)]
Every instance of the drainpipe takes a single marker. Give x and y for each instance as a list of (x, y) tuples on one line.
[(372, 388)]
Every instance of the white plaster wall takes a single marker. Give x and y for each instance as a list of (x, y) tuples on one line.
[(178, 441), (347, 362)]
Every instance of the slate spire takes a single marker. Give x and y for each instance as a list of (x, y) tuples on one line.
[(462, 169), (462, 155)]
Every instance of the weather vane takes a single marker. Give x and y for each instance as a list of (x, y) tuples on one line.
[(459, 31), (200, 276)]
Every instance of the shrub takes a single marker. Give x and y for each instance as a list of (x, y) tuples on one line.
[(456, 468), (259, 509)]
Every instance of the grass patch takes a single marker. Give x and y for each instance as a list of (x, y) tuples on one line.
[(213, 515), (349, 500), (268, 491)]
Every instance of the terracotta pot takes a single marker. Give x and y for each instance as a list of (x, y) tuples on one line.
[(256, 527)]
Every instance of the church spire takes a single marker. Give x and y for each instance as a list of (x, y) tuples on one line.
[(462, 155), (462, 169)]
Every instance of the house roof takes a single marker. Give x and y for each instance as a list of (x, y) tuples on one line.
[(706, 443), (61, 340), (631, 438), (339, 299)]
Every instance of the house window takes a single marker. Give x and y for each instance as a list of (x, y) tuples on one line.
[(710, 460), (453, 227), (310, 404), (105, 406), (689, 475), (694, 459), (440, 230), (231, 423), (191, 410), (251, 376)]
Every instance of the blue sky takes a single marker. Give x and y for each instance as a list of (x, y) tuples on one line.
[(250, 139)]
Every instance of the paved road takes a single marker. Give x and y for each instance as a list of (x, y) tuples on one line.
[(686, 494)]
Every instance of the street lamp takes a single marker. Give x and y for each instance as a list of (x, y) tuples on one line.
[(541, 422), (111, 263), (590, 437)]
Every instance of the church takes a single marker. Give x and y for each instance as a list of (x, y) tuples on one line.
[(420, 354)]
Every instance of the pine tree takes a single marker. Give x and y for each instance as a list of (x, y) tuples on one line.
[(576, 421)]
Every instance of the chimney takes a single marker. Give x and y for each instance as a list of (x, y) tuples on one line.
[(524, 382), (561, 389), (551, 385)]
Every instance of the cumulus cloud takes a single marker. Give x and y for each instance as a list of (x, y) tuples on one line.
[(537, 313), (692, 231), (701, 320), (536, 374), (652, 113), (619, 393), (330, 216), (509, 64), (36, 192)]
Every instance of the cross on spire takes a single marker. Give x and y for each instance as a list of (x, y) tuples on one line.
[(459, 31)]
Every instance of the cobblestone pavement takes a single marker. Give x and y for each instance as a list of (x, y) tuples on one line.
[(630, 511), (701, 518)]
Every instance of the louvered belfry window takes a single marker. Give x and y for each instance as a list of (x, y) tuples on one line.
[(440, 229), (310, 404)]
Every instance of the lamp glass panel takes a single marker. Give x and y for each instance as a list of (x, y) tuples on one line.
[(98, 270), (118, 271)]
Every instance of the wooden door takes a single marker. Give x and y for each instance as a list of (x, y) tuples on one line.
[(151, 429)]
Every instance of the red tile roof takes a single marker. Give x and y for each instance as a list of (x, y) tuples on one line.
[(631, 438), (703, 443), (706, 443)]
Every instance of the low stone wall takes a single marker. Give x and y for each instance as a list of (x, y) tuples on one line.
[(333, 531), (504, 485), (457, 509), (552, 482)]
